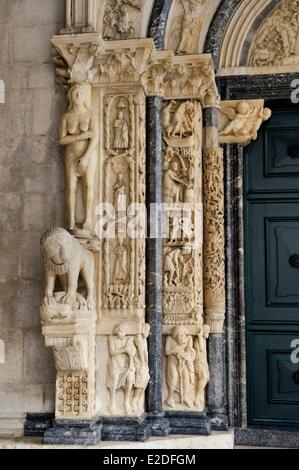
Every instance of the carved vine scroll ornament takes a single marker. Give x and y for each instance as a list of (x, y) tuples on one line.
[(214, 262), (277, 41)]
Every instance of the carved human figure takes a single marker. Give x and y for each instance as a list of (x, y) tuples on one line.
[(78, 135), (110, 22), (117, 24), (277, 41), (172, 261), (121, 132), (188, 30), (190, 24), (172, 184), (239, 117), (124, 25), (142, 368), (182, 123), (120, 275), (121, 367), (120, 193), (65, 258), (180, 356), (201, 366)]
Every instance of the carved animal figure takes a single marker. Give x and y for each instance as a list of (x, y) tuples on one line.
[(182, 123), (65, 258)]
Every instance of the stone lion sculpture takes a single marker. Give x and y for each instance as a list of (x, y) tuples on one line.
[(65, 258)]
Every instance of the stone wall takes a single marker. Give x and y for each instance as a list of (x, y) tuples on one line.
[(32, 193)]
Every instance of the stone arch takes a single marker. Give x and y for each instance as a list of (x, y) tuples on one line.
[(233, 29)]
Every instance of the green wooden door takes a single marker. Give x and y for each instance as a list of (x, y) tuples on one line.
[(272, 271)]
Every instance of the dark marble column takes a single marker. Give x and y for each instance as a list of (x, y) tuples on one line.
[(154, 263)]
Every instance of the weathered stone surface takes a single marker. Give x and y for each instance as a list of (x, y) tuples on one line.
[(38, 360), (11, 370)]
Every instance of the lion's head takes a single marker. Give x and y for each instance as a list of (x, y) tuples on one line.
[(57, 248)]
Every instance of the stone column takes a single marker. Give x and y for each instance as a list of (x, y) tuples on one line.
[(154, 260), (68, 18), (214, 266), (90, 17)]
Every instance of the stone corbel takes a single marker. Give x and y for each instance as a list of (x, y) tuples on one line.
[(240, 120)]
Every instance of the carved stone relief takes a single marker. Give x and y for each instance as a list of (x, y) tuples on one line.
[(187, 370), (66, 259), (127, 369), (123, 169), (68, 322), (187, 25), (78, 134), (241, 120), (160, 73), (214, 263), (182, 123), (118, 75), (277, 40), (121, 18), (186, 367)]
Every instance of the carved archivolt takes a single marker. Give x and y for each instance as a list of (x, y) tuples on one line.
[(277, 40)]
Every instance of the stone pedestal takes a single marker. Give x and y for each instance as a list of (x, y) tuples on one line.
[(70, 331), (188, 423), (73, 432)]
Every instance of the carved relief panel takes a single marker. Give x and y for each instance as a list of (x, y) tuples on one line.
[(121, 288), (182, 199), (185, 365), (277, 40), (124, 19), (187, 25), (121, 294)]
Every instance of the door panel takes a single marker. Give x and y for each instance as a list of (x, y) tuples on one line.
[(274, 157), (273, 386), (272, 271)]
